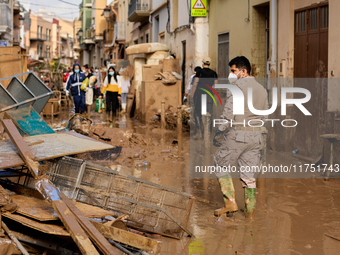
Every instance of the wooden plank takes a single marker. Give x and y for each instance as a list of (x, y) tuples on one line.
[(100, 241), (54, 146), (125, 237), (22, 147), (48, 228), (77, 233), (14, 239), (42, 210)]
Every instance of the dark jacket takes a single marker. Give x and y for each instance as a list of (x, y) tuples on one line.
[(74, 82)]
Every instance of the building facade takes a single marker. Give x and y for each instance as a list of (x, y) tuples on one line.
[(40, 38), (66, 35)]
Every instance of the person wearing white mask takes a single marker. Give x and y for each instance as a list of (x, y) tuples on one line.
[(241, 143), (113, 91), (74, 82)]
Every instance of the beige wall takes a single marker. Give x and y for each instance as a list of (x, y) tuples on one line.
[(66, 27), (229, 16), (333, 56), (100, 20)]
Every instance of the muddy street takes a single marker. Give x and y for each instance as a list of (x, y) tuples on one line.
[(293, 216)]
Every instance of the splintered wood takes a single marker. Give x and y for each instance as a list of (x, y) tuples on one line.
[(22, 147), (42, 210), (100, 241)]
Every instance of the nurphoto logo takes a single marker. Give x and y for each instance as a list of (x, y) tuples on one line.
[(238, 104)]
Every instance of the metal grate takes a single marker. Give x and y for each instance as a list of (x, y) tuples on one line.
[(150, 207), (20, 95)]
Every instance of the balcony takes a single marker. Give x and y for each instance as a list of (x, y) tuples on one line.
[(108, 36), (5, 21), (139, 10), (39, 37), (119, 31), (88, 37), (76, 47)]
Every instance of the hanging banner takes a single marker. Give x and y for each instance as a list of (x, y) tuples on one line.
[(198, 8)]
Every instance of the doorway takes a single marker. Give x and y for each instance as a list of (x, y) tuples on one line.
[(184, 56)]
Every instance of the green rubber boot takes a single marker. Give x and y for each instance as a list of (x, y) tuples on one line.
[(227, 188), (250, 200)]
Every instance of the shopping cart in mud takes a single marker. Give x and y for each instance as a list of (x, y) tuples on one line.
[(150, 207)]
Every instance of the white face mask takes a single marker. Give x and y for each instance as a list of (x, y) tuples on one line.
[(233, 77)]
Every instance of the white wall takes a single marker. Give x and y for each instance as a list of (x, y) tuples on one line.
[(163, 19), (183, 12), (156, 3)]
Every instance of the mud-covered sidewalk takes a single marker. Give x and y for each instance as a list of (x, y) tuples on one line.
[(293, 216)]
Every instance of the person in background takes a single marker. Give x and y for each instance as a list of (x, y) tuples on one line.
[(66, 75), (190, 83), (92, 70), (74, 83), (125, 85), (204, 77), (86, 71), (113, 91), (96, 88)]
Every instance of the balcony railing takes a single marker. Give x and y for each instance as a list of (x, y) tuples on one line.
[(119, 30), (5, 17), (39, 37), (139, 10)]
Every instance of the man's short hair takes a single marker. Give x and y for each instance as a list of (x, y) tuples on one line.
[(241, 62), (197, 69)]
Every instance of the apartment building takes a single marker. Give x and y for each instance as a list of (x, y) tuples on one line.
[(97, 28), (66, 36), (40, 44)]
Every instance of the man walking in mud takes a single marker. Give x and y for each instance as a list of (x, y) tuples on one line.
[(241, 143)]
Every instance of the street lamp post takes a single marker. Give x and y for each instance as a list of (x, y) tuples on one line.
[(107, 12)]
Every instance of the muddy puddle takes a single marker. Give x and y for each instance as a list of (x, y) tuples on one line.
[(293, 216)]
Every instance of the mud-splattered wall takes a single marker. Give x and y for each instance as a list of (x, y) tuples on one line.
[(13, 60)]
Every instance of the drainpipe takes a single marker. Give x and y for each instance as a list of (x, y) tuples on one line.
[(273, 40)]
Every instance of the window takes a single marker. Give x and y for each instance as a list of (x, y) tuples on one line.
[(38, 32), (156, 29), (39, 50), (162, 37), (48, 51), (146, 38), (301, 21)]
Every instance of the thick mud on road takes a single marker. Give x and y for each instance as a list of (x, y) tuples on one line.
[(293, 216)]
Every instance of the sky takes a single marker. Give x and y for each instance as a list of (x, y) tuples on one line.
[(61, 9)]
